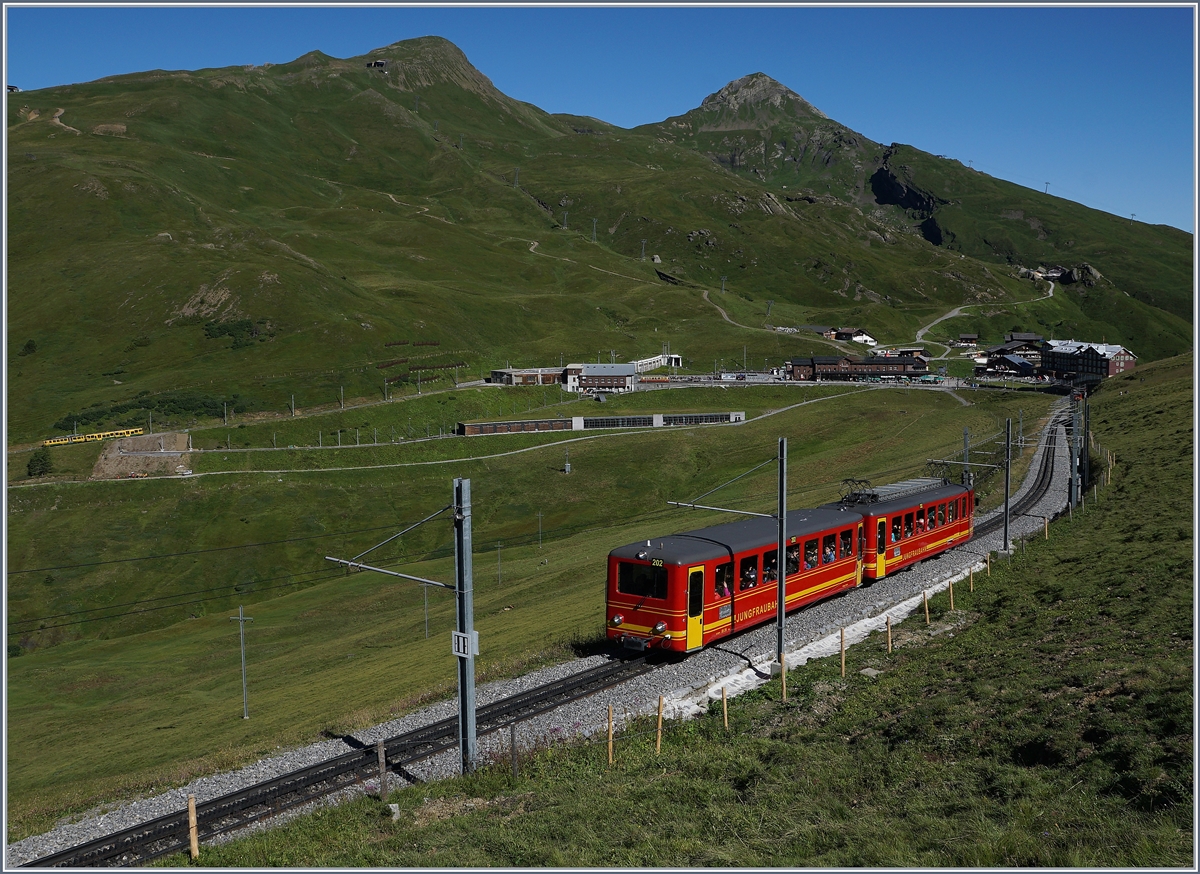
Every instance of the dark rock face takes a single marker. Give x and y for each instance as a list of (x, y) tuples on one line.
[(932, 232), (888, 189)]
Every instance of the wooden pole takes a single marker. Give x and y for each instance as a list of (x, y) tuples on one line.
[(952, 595), (925, 598), (843, 652), (512, 746), (989, 557), (1046, 527), (610, 736), (972, 579), (783, 676), (889, 629), (382, 754), (724, 708), (193, 834), (658, 735)]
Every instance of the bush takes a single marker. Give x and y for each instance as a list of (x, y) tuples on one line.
[(29, 348), (40, 463)]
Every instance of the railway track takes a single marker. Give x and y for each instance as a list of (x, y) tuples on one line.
[(1041, 484), (169, 834)]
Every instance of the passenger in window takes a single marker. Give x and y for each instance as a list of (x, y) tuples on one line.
[(810, 555), (793, 559), (908, 525), (847, 544), (749, 578), (830, 553), (920, 521), (722, 587)]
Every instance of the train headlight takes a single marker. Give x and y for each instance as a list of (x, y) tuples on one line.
[(616, 620), (660, 627)]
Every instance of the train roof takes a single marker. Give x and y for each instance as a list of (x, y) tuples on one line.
[(716, 541), (881, 500)]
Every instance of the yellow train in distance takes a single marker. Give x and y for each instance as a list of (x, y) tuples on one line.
[(89, 438)]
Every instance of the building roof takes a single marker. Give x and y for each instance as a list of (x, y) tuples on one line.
[(607, 369), (1074, 347)]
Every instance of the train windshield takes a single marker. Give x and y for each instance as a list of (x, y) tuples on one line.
[(641, 580)]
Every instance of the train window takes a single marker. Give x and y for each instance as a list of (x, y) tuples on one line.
[(881, 540), (908, 524), (896, 523), (931, 520), (641, 580), (770, 563), (810, 554), (941, 517), (724, 579), (748, 572), (829, 549), (920, 520), (952, 510), (793, 559), (847, 544)]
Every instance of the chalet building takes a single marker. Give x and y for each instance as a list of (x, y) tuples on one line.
[(853, 335), (967, 341), (1019, 337), (992, 359)]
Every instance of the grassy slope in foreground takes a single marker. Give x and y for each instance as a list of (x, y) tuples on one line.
[(1053, 726)]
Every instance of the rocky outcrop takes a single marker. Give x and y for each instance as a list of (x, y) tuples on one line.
[(895, 188)]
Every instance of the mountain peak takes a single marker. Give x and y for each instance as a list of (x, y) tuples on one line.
[(760, 90)]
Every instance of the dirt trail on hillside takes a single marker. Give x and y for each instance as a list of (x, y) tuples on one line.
[(150, 455), (56, 120)]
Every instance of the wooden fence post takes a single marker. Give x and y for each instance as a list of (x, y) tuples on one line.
[(658, 734), (972, 579), (512, 746), (610, 735), (951, 594), (724, 708), (889, 629), (193, 833), (843, 652), (925, 598), (382, 754), (989, 558), (1046, 527)]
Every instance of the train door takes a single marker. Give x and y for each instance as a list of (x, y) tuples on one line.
[(695, 617), (881, 548), (858, 559)]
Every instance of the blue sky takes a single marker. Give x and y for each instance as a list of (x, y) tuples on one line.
[(1098, 102)]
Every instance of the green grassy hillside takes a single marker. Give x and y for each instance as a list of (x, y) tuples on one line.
[(179, 240)]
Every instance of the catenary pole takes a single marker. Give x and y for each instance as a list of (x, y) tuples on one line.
[(1007, 472), (463, 579), (241, 620)]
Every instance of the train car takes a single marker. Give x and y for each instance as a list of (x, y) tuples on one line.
[(684, 591), (910, 521), (91, 438)]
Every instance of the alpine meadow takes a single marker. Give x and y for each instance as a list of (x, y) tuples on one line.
[(302, 275)]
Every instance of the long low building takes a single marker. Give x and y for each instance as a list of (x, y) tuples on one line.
[(590, 423), (845, 367)]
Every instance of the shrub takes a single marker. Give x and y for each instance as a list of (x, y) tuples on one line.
[(40, 463)]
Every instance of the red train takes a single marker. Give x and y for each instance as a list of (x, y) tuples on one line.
[(684, 591)]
